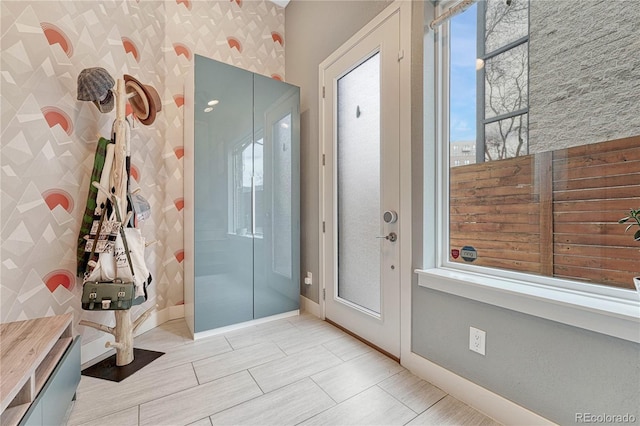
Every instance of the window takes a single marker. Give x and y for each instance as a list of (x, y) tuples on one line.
[(537, 212), (244, 158), (503, 62), (489, 42), (523, 207)]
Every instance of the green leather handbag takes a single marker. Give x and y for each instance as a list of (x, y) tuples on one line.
[(107, 296)]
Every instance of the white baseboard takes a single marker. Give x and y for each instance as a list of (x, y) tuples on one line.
[(489, 403), (96, 349), (311, 307), (220, 330)]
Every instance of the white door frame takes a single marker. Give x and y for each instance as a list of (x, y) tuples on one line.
[(403, 8)]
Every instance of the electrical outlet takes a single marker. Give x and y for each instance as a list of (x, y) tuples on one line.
[(308, 280), (477, 340)]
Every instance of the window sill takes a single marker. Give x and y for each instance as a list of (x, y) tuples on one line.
[(615, 314)]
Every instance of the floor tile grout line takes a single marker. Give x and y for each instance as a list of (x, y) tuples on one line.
[(240, 403), (238, 371), (256, 382), (161, 369), (108, 414), (400, 372), (199, 420), (323, 390), (341, 362), (428, 408), (344, 401), (205, 383), (392, 395), (195, 373)]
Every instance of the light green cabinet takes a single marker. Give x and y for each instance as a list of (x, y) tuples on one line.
[(242, 195)]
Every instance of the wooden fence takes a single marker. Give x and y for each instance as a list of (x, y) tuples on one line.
[(553, 213)]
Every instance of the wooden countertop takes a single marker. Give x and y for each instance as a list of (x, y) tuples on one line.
[(27, 346)]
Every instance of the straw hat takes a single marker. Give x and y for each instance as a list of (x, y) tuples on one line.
[(95, 84), (145, 100)]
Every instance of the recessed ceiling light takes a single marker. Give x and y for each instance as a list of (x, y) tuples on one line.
[(208, 109), (213, 102)]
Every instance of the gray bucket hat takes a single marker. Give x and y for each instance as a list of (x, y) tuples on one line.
[(95, 84)]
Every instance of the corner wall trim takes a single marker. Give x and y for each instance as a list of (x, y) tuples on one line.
[(95, 349), (309, 306), (489, 403)]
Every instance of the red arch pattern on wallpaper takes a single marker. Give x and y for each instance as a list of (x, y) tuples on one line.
[(55, 35), (182, 50), (57, 117), (277, 38), (130, 47), (186, 3), (59, 277), (135, 173), (58, 197), (234, 43), (179, 152), (50, 137)]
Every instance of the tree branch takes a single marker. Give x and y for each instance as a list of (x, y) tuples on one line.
[(142, 318), (97, 326)]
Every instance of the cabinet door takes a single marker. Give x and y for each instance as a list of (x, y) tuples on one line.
[(277, 228), (33, 417), (223, 207), (61, 386)]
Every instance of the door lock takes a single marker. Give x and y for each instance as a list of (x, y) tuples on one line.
[(390, 216), (391, 237)]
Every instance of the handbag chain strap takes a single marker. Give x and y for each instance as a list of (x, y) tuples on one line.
[(122, 233)]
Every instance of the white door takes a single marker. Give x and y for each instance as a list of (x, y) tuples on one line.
[(361, 194)]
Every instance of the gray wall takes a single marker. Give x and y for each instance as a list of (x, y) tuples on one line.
[(550, 368), (314, 30), (584, 73)]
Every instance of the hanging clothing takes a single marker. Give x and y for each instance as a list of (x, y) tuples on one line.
[(117, 250), (88, 217)]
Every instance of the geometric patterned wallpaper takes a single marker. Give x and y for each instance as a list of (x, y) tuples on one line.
[(48, 138)]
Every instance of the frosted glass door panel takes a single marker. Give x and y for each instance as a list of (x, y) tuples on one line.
[(358, 181), (276, 165), (223, 195)]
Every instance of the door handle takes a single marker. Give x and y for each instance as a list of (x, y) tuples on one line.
[(391, 237)]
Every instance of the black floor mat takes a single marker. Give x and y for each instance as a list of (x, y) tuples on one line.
[(108, 370)]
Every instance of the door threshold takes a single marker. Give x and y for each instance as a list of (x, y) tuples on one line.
[(366, 342)]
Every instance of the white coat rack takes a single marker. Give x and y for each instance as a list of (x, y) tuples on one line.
[(124, 328)]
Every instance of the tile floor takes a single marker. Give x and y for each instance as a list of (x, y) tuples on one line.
[(298, 370)]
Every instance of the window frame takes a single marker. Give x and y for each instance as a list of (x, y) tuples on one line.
[(481, 119), (607, 310)]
